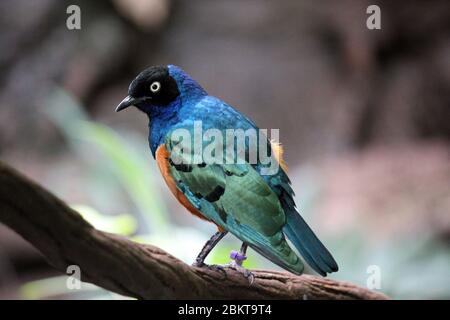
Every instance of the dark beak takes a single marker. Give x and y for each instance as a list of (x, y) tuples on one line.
[(128, 101)]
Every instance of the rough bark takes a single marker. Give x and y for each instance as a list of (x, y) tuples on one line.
[(136, 270)]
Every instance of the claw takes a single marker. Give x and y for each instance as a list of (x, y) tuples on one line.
[(250, 276), (246, 273), (214, 267)]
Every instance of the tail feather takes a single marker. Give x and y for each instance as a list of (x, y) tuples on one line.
[(295, 268), (275, 248), (307, 243)]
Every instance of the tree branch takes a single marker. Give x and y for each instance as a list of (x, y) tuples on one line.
[(136, 270)]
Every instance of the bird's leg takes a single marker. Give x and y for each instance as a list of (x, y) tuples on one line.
[(240, 256), (209, 245), (237, 260)]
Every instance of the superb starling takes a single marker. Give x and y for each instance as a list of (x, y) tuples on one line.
[(257, 208)]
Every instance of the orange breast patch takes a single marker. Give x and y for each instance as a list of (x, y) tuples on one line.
[(162, 159)]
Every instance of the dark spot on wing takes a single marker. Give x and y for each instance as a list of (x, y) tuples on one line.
[(181, 167), (215, 194), (222, 214)]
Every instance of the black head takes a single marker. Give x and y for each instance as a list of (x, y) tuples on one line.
[(152, 87)]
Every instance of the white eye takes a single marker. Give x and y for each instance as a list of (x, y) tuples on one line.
[(155, 86)]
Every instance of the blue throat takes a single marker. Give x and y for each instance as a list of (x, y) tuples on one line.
[(161, 119)]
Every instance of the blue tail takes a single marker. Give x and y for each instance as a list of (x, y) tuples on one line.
[(306, 242)]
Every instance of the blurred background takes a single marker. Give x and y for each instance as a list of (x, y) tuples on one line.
[(364, 116)]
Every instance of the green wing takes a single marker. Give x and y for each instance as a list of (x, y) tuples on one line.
[(236, 198)]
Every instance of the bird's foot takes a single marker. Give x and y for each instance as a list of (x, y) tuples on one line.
[(236, 264), (214, 267), (239, 268), (217, 267), (237, 258)]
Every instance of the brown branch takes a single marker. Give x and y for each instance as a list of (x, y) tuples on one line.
[(137, 270)]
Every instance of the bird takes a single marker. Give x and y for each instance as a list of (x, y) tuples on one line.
[(257, 208)]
